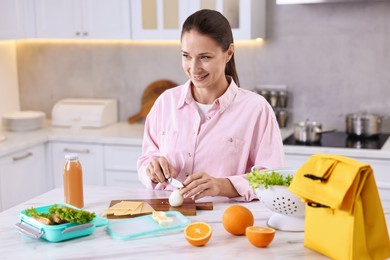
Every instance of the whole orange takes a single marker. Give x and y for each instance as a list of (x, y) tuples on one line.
[(260, 236), (236, 219)]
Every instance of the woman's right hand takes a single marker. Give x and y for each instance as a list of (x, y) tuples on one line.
[(159, 170)]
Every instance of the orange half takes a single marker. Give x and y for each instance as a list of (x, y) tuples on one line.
[(198, 233), (260, 236)]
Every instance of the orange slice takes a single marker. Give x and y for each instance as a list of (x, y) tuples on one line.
[(198, 233), (260, 236)]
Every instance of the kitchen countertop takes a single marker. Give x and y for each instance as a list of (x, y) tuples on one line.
[(286, 245), (383, 153), (123, 133)]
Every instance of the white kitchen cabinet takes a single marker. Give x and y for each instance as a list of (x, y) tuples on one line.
[(158, 19), (83, 19), (246, 17), (90, 156), (121, 165), (22, 176), (16, 19), (163, 19), (294, 160)]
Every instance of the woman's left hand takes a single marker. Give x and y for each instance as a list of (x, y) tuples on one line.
[(201, 184)]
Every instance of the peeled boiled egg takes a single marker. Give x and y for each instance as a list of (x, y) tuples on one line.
[(176, 199), (161, 218)]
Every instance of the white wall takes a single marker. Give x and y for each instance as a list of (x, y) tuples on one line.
[(334, 59)]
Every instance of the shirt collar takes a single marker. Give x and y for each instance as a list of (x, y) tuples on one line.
[(227, 98), (224, 101), (186, 96)]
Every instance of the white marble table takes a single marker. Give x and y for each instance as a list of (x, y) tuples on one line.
[(99, 245)]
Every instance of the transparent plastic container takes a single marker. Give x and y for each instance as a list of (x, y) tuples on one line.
[(145, 226)]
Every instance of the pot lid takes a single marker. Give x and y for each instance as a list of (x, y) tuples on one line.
[(363, 115), (308, 123)]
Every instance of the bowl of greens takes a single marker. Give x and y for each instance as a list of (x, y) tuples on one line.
[(271, 188)]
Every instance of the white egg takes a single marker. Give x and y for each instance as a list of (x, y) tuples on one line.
[(176, 199)]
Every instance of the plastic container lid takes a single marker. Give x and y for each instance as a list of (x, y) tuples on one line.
[(145, 226), (71, 156)]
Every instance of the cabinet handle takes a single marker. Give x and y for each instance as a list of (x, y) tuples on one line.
[(77, 33), (67, 150), (18, 158), (85, 33)]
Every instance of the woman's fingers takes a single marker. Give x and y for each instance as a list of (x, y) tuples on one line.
[(172, 171), (198, 186), (150, 173), (164, 167), (159, 170)]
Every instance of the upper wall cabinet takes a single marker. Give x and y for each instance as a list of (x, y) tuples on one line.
[(162, 19), (246, 17), (16, 19), (83, 19), (285, 2), (157, 19)]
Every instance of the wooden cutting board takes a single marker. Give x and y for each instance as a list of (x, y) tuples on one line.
[(188, 208), (151, 93)]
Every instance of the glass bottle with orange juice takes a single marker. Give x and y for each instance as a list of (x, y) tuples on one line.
[(73, 181)]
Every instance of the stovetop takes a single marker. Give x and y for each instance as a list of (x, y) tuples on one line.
[(343, 140)]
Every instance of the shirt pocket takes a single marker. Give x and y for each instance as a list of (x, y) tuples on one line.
[(230, 151), (168, 141), (235, 145)]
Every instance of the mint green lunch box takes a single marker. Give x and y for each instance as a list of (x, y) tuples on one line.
[(55, 233)]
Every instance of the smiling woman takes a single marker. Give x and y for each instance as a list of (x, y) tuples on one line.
[(206, 69), (208, 132)]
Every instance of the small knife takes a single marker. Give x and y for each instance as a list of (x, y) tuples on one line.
[(175, 183)]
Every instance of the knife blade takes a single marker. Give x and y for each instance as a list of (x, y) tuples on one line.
[(175, 183)]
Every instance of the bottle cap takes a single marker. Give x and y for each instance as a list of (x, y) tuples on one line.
[(71, 156)]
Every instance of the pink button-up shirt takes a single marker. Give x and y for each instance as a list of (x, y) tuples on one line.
[(240, 130)]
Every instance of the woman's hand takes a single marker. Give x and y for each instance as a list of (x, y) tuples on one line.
[(159, 170), (201, 184)]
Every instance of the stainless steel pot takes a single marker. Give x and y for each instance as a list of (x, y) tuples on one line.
[(309, 131), (363, 124)]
